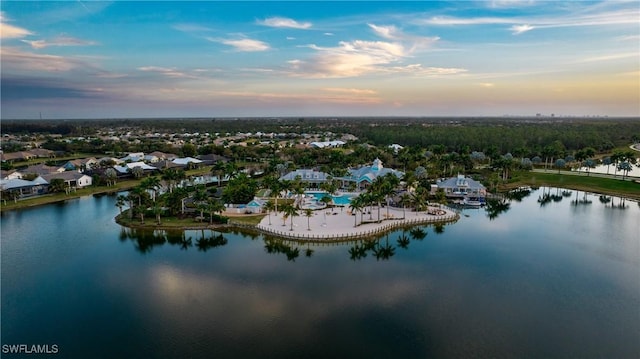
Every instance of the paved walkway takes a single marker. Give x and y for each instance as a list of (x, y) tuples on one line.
[(339, 223)]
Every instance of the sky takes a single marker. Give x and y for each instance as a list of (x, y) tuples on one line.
[(96, 59)]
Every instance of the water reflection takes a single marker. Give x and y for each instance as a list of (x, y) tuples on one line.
[(548, 197), (496, 206), (145, 240), (584, 200)]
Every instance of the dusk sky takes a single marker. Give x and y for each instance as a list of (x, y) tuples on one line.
[(83, 59)]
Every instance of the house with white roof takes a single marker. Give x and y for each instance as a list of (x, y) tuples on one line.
[(129, 166)]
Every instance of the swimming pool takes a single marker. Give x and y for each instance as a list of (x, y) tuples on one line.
[(341, 200)]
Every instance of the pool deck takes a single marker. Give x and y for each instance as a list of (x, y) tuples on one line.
[(338, 225)]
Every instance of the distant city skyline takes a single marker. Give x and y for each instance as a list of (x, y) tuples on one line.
[(95, 59)]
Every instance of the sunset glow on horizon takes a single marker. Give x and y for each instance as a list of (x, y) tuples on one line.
[(95, 59)]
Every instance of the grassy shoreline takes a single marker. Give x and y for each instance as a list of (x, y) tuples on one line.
[(609, 186)]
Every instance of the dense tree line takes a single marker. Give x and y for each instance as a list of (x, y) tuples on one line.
[(506, 134)]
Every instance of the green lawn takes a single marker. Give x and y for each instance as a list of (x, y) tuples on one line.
[(583, 183)]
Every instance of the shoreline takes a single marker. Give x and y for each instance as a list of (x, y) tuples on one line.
[(328, 226)]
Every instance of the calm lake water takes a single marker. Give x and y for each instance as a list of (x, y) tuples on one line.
[(559, 279)]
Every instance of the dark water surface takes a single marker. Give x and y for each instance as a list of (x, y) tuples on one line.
[(559, 279)]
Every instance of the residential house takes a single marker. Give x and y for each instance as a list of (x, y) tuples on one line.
[(24, 187), (71, 179), (327, 144), (133, 157), (81, 164), (211, 159), (126, 169), (10, 174), (156, 156), (186, 161), (461, 186), (42, 169)]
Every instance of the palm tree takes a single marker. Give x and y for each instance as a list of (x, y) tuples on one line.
[(290, 211), (308, 213), (151, 183), (111, 176), (171, 176), (214, 206), (120, 202), (418, 200), (405, 198), (218, 170), (157, 210), (356, 205), (269, 206)]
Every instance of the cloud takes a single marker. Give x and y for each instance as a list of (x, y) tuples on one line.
[(350, 58), (17, 88), (59, 41), (448, 21), (352, 91), (576, 18), (519, 29), (387, 32), (168, 72), (14, 59), (283, 22), (9, 31), (359, 58), (191, 28), (413, 42), (243, 45), (609, 57), (511, 3)]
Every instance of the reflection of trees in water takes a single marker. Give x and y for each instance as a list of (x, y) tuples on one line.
[(146, 239), (274, 245), (518, 194), (496, 206), (418, 233), (205, 243), (548, 197), (584, 200), (622, 203), (385, 251), (403, 240)]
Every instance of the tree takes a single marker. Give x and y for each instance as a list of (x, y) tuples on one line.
[(405, 198), (214, 206), (151, 183), (120, 202), (290, 211), (57, 185), (356, 204), (189, 150), (172, 176), (560, 164), (218, 170), (157, 211), (137, 171), (111, 176), (269, 207), (308, 213), (240, 189)]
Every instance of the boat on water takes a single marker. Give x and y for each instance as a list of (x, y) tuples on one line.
[(472, 202)]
